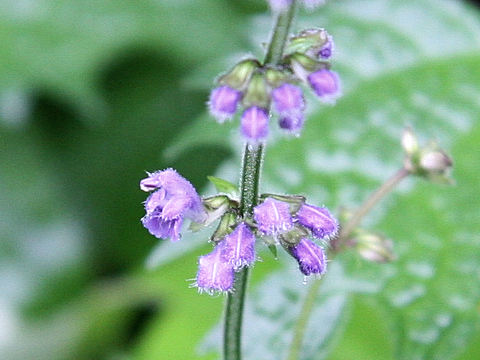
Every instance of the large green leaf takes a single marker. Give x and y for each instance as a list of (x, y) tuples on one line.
[(403, 63), (66, 45)]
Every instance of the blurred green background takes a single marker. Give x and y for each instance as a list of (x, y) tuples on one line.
[(95, 93)]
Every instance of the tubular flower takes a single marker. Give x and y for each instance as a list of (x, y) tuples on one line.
[(239, 247), (318, 220), (273, 217), (255, 124), (325, 84), (174, 199), (310, 257), (223, 102), (214, 272)]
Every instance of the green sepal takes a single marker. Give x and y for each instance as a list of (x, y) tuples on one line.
[(295, 201), (226, 226), (306, 40), (257, 93), (273, 250), (239, 77)]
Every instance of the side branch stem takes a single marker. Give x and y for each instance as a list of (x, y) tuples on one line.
[(249, 185), (372, 200)]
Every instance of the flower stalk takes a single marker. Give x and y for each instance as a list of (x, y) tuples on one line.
[(249, 185)]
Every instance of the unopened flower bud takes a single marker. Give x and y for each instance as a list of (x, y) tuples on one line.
[(435, 161), (292, 123), (374, 247), (409, 141), (326, 51), (288, 98), (254, 124)]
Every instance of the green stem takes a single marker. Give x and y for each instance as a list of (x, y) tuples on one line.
[(252, 162), (249, 185), (280, 35)]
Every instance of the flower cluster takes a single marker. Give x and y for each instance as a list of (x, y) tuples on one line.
[(278, 220), (256, 88)]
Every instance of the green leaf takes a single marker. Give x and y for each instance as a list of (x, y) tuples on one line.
[(224, 186)]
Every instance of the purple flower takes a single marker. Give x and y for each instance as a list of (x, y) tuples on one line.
[(214, 273), (255, 124), (223, 102), (318, 220), (273, 217), (239, 248), (292, 122), (311, 257), (325, 83), (174, 199), (288, 98), (279, 5), (327, 49)]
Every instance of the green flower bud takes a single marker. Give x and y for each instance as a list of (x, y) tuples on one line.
[(409, 142), (374, 247)]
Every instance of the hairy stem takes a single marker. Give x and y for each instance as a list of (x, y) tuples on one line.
[(249, 184), (354, 221)]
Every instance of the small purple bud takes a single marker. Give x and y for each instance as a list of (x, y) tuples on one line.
[(327, 49), (279, 5), (255, 124), (239, 248), (311, 257), (318, 220), (293, 123), (214, 273), (174, 199), (325, 83), (288, 98), (223, 102), (273, 217)]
